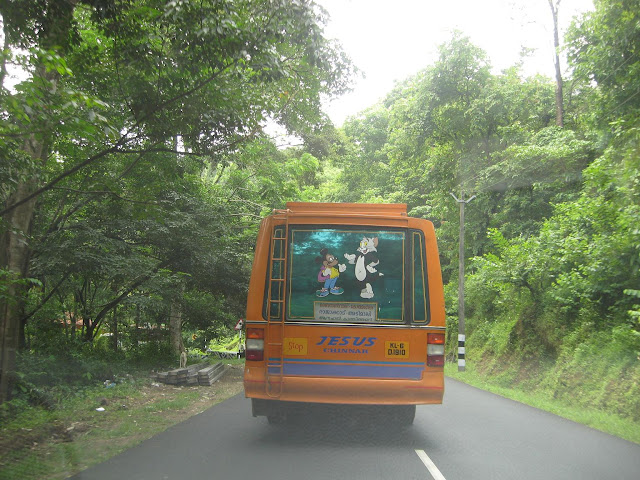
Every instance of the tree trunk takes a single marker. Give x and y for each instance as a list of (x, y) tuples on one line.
[(114, 330), (14, 260), (15, 254), (556, 61), (175, 325), (16, 222), (136, 332)]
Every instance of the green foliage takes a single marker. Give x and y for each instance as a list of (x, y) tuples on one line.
[(157, 173), (599, 370), (127, 105), (603, 48), (153, 355), (635, 312), (226, 343), (47, 379), (578, 274), (552, 234), (8, 278)]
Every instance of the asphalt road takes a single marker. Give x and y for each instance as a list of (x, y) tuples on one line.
[(473, 435)]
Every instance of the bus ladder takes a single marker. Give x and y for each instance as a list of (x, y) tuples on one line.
[(276, 307)]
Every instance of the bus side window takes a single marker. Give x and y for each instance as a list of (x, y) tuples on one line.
[(419, 270)]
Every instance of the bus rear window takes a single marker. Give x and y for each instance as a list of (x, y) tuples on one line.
[(346, 275)]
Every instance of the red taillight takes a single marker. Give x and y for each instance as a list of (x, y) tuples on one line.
[(254, 345), (436, 338), (435, 349), (255, 333)]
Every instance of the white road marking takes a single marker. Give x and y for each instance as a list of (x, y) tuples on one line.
[(433, 470)]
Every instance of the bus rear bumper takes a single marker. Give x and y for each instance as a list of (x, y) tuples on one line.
[(353, 391)]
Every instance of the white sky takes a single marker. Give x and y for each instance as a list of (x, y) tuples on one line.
[(390, 40)]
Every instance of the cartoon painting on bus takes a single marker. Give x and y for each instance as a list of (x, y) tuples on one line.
[(355, 283), (366, 262), (329, 272)]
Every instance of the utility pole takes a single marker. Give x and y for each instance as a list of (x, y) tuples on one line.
[(461, 335)]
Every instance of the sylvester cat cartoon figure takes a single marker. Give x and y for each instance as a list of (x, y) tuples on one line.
[(366, 261)]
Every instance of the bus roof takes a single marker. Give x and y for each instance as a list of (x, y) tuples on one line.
[(398, 210)]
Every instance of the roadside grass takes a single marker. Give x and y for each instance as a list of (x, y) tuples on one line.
[(591, 417), (54, 444)]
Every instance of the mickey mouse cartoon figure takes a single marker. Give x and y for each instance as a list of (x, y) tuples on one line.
[(329, 273)]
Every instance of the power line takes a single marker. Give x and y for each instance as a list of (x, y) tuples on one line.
[(503, 179), (616, 69), (621, 104)]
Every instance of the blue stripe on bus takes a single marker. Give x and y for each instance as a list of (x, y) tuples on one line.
[(348, 362), (349, 370)]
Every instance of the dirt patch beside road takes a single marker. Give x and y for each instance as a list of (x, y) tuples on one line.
[(160, 394), (106, 423)]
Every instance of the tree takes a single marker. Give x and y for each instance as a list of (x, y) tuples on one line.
[(554, 6), (364, 163), (127, 79), (603, 49), (453, 126)]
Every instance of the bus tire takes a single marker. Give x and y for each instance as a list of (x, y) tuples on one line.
[(405, 415), (277, 417), (259, 407)]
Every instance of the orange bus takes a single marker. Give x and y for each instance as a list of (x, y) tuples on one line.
[(345, 306)]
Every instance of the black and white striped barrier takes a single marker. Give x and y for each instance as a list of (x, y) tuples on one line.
[(461, 362)]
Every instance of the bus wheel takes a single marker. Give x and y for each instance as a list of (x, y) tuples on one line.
[(277, 417), (405, 414)]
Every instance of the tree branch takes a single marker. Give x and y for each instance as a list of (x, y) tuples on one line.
[(46, 299), (116, 301), (104, 192), (64, 175)]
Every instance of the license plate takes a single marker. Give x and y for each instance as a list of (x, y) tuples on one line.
[(396, 349)]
